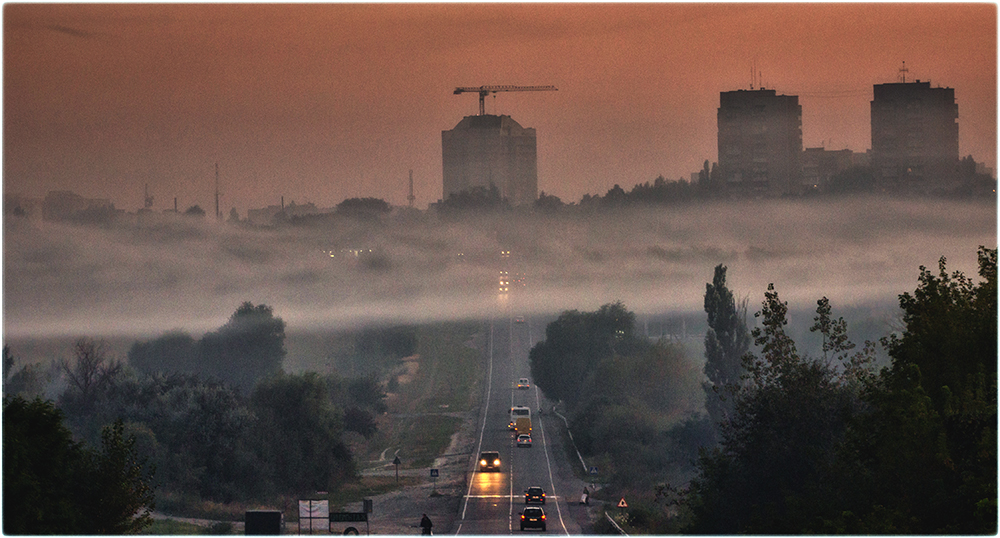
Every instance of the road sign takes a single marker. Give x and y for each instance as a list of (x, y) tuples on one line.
[(434, 473), (622, 503), (593, 470), (348, 516)]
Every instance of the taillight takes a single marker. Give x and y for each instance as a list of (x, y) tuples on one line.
[(543, 517), (522, 517)]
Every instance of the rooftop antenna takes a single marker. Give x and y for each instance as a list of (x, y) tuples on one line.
[(147, 199), (411, 197), (902, 72)]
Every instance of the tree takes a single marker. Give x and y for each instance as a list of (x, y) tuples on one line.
[(123, 497), (301, 433), (363, 207), (575, 343), (249, 347), (195, 211), (27, 381), (53, 485), (726, 341), (789, 417)]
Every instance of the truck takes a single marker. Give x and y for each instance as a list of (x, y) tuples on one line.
[(523, 425), (516, 412)]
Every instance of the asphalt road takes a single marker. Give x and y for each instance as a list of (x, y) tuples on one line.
[(493, 501)]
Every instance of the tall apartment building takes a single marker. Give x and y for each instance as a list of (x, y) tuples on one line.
[(914, 136), (489, 150), (760, 141)]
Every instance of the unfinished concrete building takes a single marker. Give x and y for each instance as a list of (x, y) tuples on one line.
[(487, 150)]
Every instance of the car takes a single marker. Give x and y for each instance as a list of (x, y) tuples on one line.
[(524, 440), (534, 495), (489, 461), (523, 383), (519, 319), (533, 517)]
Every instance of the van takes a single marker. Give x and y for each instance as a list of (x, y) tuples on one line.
[(523, 425)]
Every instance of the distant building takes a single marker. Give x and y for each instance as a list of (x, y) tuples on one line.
[(67, 205), (274, 213), (820, 164), (914, 136), (760, 141), (489, 150)]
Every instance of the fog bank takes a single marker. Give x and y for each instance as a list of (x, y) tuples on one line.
[(62, 280)]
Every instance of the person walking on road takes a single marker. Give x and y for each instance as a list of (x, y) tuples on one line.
[(425, 525)]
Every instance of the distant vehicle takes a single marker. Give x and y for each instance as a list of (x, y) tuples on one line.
[(516, 412), (523, 383), (523, 426), (489, 461), (533, 517), (534, 495), (524, 440), (519, 319)]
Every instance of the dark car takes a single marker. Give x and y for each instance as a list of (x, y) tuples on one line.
[(489, 461), (533, 517), (534, 495)]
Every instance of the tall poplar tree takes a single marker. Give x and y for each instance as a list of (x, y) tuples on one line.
[(726, 341)]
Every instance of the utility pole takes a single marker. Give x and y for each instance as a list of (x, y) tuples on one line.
[(411, 197), (218, 214)]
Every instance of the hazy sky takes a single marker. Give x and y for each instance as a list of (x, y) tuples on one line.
[(322, 102)]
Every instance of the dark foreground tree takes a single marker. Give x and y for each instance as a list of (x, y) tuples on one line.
[(53, 485)]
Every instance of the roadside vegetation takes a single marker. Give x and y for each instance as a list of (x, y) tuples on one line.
[(787, 443), (187, 431)]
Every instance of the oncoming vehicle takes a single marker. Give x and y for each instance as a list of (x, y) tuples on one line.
[(533, 517), (534, 495), (489, 461), (523, 383), (524, 440), (516, 412)]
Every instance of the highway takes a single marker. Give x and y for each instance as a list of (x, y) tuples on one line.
[(493, 502)]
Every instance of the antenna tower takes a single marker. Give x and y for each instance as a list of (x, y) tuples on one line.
[(902, 73), (411, 197)]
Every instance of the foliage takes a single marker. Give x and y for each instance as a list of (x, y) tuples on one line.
[(363, 207), (300, 433), (27, 381), (248, 348), (574, 345), (53, 485), (726, 341), (829, 446)]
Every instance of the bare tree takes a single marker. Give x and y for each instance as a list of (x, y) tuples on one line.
[(92, 370)]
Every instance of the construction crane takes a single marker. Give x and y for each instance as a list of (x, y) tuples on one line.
[(483, 91)]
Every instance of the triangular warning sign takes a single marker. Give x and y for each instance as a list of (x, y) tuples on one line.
[(622, 503)]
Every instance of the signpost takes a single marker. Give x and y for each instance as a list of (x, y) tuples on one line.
[(434, 475), (396, 462)]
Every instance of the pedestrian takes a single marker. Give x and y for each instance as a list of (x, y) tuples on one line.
[(425, 525)]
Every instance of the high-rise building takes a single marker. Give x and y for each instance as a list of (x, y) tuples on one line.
[(760, 141), (487, 150), (914, 136)]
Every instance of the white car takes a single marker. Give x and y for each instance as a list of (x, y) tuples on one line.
[(524, 440), (523, 383)]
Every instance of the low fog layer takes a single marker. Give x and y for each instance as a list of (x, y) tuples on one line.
[(186, 274)]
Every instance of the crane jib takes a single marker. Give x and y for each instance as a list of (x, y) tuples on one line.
[(483, 91)]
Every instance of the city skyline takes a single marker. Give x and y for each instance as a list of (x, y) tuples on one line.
[(319, 103)]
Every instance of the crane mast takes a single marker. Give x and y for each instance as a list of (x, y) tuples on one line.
[(483, 91)]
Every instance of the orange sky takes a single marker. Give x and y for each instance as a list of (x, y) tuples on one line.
[(322, 102)]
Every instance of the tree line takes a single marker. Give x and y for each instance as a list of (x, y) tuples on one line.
[(174, 418), (789, 443)]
